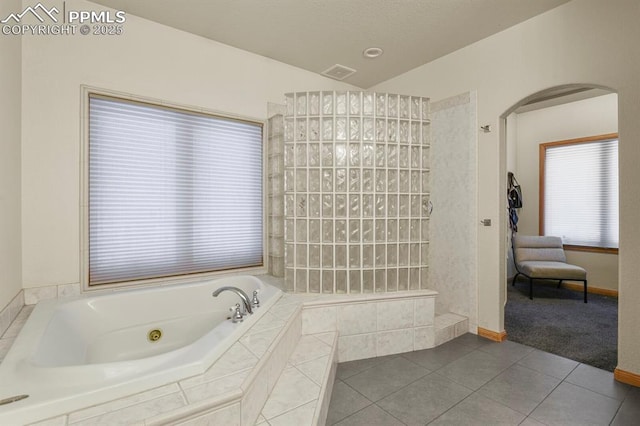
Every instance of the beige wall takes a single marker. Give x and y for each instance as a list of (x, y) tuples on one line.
[(149, 60), (589, 117), (10, 67), (583, 41)]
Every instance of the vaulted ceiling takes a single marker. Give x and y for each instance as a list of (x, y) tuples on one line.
[(317, 34)]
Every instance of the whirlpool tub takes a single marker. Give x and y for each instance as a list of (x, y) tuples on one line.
[(75, 353)]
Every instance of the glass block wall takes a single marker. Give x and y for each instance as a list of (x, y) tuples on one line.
[(356, 192), (275, 190)]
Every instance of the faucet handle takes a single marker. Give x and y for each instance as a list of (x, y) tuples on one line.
[(255, 302), (237, 315)]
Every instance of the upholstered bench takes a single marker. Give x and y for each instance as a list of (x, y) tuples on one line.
[(542, 257)]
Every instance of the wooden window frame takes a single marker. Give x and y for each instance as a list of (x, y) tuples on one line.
[(541, 174)]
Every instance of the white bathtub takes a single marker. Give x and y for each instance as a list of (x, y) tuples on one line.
[(71, 354)]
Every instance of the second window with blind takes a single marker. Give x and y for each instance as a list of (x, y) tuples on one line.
[(171, 192), (579, 192)]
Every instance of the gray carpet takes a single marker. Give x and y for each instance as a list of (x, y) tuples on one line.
[(557, 321)]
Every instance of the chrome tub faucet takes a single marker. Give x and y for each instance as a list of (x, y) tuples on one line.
[(245, 299)]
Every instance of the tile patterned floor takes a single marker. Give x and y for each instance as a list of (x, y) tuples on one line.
[(474, 381)]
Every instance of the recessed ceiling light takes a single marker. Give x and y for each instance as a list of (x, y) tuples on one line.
[(372, 52)]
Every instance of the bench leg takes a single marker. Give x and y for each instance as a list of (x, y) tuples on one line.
[(585, 291), (531, 288), (559, 283)]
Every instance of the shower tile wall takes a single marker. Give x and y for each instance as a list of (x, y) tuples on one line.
[(356, 192), (454, 229)]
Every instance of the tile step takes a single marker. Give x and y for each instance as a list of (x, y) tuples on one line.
[(302, 393), (448, 326)]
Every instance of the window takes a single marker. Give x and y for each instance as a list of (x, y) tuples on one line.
[(171, 192), (579, 191)]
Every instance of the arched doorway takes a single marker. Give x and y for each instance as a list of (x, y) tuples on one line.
[(555, 114)]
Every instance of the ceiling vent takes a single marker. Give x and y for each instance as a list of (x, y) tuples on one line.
[(338, 72)]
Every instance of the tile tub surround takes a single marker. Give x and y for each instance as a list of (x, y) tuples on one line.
[(10, 312), (35, 294), (234, 390), (303, 391), (356, 192), (226, 383), (11, 320), (106, 355)]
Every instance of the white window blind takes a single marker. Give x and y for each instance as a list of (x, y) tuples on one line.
[(581, 193), (171, 192)]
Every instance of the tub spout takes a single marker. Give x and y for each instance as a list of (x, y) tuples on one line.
[(245, 299)]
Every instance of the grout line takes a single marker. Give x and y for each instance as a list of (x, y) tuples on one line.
[(545, 398), (539, 372), (591, 390), (362, 371), (356, 391), (452, 407), (14, 321), (616, 413), (354, 413), (183, 395), (307, 376), (454, 382), (288, 410), (572, 370), (415, 363), (389, 412), (500, 402), (537, 421)]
